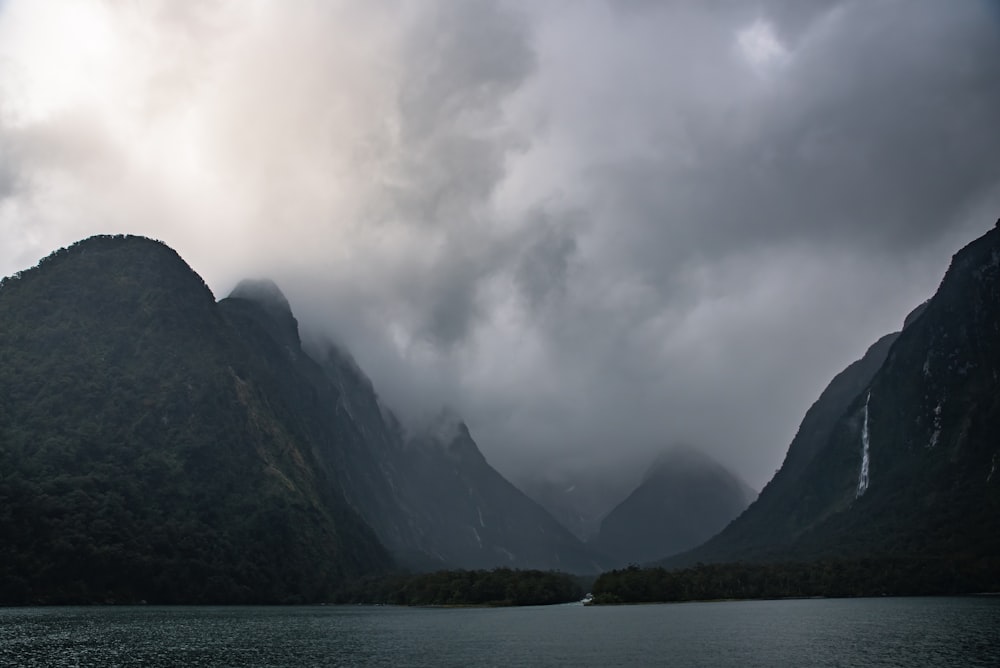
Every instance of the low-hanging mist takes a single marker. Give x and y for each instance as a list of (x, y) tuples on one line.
[(591, 229)]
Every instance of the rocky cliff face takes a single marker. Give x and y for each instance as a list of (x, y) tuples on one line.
[(907, 465)]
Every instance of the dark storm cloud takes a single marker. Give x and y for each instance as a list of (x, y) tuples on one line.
[(462, 58), (877, 133), (591, 228), (711, 190), (541, 270), (461, 61)]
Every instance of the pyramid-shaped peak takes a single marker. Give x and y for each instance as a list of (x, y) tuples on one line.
[(682, 457)]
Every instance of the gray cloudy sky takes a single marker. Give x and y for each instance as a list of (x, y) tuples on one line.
[(591, 228)]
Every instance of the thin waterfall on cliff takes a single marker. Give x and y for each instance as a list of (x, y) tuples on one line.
[(863, 477)]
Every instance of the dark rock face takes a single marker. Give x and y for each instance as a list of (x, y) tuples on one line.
[(685, 498), (899, 455)]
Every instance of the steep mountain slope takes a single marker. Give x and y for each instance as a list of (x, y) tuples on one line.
[(431, 497), (473, 516), (332, 406), (773, 521), (157, 445), (139, 456), (908, 467), (685, 498)]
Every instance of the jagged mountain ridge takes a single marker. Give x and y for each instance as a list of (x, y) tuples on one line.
[(685, 497), (282, 476), (431, 497), (924, 406)]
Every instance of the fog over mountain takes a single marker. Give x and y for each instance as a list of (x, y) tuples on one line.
[(588, 228)]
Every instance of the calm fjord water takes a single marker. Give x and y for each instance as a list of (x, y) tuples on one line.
[(845, 632)]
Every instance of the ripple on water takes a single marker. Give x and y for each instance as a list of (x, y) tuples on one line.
[(938, 632)]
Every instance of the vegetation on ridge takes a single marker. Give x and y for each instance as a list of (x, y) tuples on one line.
[(827, 578), (140, 459), (496, 587)]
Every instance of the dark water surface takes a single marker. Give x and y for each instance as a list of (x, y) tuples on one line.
[(839, 632)]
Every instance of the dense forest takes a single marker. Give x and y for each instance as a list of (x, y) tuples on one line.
[(829, 578), (496, 587), (142, 457)]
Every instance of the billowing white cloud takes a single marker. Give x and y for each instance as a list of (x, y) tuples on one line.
[(591, 228)]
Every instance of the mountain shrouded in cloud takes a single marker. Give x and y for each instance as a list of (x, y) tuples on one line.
[(590, 228)]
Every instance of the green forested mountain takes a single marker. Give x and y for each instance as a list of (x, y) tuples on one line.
[(158, 445), (140, 457), (898, 458)]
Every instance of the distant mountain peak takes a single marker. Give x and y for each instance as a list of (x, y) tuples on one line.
[(449, 433), (681, 457), (684, 498), (121, 272), (266, 294), (446, 426), (264, 291)]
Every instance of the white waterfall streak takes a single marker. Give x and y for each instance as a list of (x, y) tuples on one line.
[(863, 477)]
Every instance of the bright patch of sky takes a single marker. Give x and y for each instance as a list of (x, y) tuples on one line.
[(52, 68), (758, 44)]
